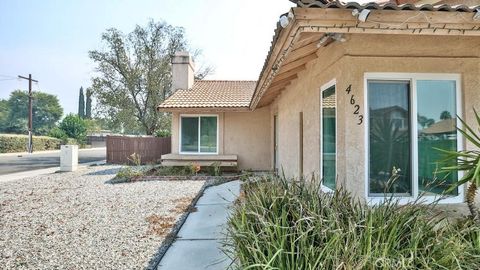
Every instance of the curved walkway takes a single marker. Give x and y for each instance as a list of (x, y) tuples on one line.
[(199, 241)]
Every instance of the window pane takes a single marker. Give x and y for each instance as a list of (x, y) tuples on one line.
[(328, 138), (208, 134), (389, 137), (189, 134), (436, 129)]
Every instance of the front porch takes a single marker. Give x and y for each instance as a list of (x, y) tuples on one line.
[(202, 160)]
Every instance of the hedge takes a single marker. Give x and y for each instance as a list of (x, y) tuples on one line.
[(11, 143)]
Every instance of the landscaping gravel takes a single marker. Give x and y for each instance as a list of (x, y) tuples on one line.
[(78, 221)]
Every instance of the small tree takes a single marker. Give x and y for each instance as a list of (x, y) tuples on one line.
[(81, 104), (467, 161), (445, 115), (88, 104), (133, 74), (74, 127)]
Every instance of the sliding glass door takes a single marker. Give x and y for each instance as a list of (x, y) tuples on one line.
[(411, 116)]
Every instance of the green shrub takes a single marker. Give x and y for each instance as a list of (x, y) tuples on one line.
[(174, 170), (129, 173), (283, 224), (58, 133), (11, 143), (74, 127), (163, 133), (215, 169)]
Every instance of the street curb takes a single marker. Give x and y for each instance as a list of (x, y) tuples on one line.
[(46, 152), (22, 175)]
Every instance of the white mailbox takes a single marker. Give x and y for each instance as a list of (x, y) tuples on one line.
[(68, 158)]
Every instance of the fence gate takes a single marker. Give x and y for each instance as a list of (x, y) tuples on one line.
[(150, 149)]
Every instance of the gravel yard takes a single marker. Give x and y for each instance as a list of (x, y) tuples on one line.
[(77, 221)]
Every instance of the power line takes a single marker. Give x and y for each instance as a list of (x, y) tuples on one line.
[(1, 80), (8, 76)]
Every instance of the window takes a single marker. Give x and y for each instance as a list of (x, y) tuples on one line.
[(329, 138), (198, 134), (409, 117)]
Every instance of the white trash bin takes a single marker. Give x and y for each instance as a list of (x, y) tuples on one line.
[(68, 158)]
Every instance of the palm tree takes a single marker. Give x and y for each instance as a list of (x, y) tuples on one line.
[(467, 161)]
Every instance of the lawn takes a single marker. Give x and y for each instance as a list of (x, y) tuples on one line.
[(77, 220)]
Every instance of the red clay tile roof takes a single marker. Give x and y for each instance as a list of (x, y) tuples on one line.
[(212, 94), (441, 6)]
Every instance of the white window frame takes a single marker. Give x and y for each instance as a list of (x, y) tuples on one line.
[(199, 141), (324, 87), (413, 78)]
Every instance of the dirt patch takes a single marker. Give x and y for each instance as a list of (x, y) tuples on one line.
[(183, 205), (159, 225)]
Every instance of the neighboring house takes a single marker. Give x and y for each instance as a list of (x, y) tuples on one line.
[(339, 97)]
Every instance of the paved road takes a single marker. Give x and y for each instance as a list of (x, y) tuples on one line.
[(35, 161)]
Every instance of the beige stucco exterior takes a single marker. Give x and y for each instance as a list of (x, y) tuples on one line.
[(347, 63), (250, 134), (245, 134)]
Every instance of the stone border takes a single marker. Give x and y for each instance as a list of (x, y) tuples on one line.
[(172, 235), (187, 178)]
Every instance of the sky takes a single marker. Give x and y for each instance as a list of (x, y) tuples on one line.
[(51, 39)]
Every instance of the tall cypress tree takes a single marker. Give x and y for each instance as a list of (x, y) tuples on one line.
[(88, 105), (81, 104)]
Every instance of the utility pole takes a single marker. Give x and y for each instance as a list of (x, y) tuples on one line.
[(30, 110)]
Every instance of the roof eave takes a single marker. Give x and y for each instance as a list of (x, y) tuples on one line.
[(203, 109), (337, 20)]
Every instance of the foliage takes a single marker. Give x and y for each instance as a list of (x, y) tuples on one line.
[(135, 159), (467, 161), (58, 133), (92, 125), (81, 104), (215, 169), (445, 115), (282, 224), (74, 127), (3, 113), (129, 173), (163, 133), (174, 170), (11, 143), (46, 112), (88, 104), (134, 74)]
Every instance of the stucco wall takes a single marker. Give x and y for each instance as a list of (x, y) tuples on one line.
[(245, 134), (347, 63)]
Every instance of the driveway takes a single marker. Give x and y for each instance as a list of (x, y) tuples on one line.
[(28, 162)]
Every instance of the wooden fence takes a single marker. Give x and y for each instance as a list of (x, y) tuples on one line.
[(150, 149)]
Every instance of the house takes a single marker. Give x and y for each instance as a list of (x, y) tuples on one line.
[(340, 96)]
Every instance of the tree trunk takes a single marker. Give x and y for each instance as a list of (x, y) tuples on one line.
[(471, 192)]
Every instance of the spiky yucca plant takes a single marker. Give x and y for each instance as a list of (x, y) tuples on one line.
[(467, 161)]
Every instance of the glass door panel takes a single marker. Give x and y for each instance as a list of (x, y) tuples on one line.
[(389, 138), (436, 121), (208, 134), (189, 134)]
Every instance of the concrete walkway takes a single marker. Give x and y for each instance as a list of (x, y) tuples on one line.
[(199, 241)]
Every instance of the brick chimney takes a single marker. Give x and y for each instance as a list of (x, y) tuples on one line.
[(183, 70)]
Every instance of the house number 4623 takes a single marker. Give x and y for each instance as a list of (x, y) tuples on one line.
[(356, 107)]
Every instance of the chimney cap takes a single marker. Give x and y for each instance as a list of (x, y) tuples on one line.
[(183, 57), (182, 53)]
